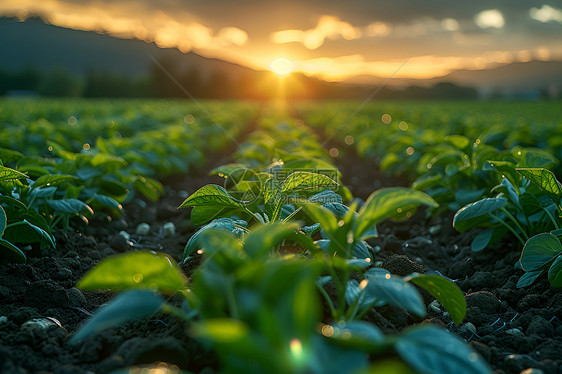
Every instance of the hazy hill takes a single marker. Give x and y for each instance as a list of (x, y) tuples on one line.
[(508, 78), (37, 44), (514, 77)]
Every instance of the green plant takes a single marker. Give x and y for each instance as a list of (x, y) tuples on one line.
[(270, 202), (260, 312), (18, 223), (527, 203), (345, 252), (542, 254)]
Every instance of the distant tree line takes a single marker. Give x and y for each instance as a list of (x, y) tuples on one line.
[(210, 84)]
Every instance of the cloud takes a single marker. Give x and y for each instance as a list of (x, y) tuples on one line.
[(130, 20), (546, 14), (328, 27), (490, 18)]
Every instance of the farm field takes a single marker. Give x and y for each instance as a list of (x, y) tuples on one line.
[(167, 236)]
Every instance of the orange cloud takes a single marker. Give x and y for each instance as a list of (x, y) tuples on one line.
[(129, 20), (328, 27)]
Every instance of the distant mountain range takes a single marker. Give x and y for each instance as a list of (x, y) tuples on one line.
[(36, 44), (513, 77)]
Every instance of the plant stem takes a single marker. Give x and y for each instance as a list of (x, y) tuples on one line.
[(551, 218), (510, 216), (328, 300), (508, 227)]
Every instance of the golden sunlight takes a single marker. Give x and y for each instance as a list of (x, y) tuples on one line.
[(281, 66)]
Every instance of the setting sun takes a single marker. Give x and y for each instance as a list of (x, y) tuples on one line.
[(281, 66)]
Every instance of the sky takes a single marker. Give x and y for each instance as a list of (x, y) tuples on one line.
[(332, 39)]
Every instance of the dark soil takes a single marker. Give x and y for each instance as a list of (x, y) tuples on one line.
[(513, 329)]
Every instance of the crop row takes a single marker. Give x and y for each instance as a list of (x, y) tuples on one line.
[(276, 237), (62, 160), (492, 165), (288, 276)]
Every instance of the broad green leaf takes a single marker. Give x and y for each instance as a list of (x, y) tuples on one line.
[(465, 196), (555, 272), (356, 334), (86, 173), (3, 221), (426, 181), (105, 159), (212, 195), (476, 213), (53, 180), (10, 201), (321, 215), (201, 215), (529, 277), (444, 291), (227, 169), (481, 240), (385, 203), (326, 196), (141, 269), (386, 366), (545, 180), (59, 151), (303, 180), (7, 174), (130, 305), (266, 237), (394, 291), (354, 294), (458, 141), (44, 234), (31, 227), (430, 349), (10, 252), (8, 156), (539, 250), (107, 201), (150, 188), (224, 224), (272, 198), (113, 188), (71, 206), (338, 209), (40, 192), (220, 330), (529, 203), (507, 170)]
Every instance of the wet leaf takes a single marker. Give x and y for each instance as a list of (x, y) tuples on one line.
[(130, 305), (212, 195), (431, 349), (141, 269), (476, 213), (444, 291), (539, 250), (385, 203)]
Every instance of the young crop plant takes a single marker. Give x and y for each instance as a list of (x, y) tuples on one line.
[(526, 203), (344, 252), (271, 201), (18, 223), (542, 253), (32, 207), (260, 311), (457, 171)]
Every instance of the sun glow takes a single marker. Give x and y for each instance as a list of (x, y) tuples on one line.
[(281, 66)]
